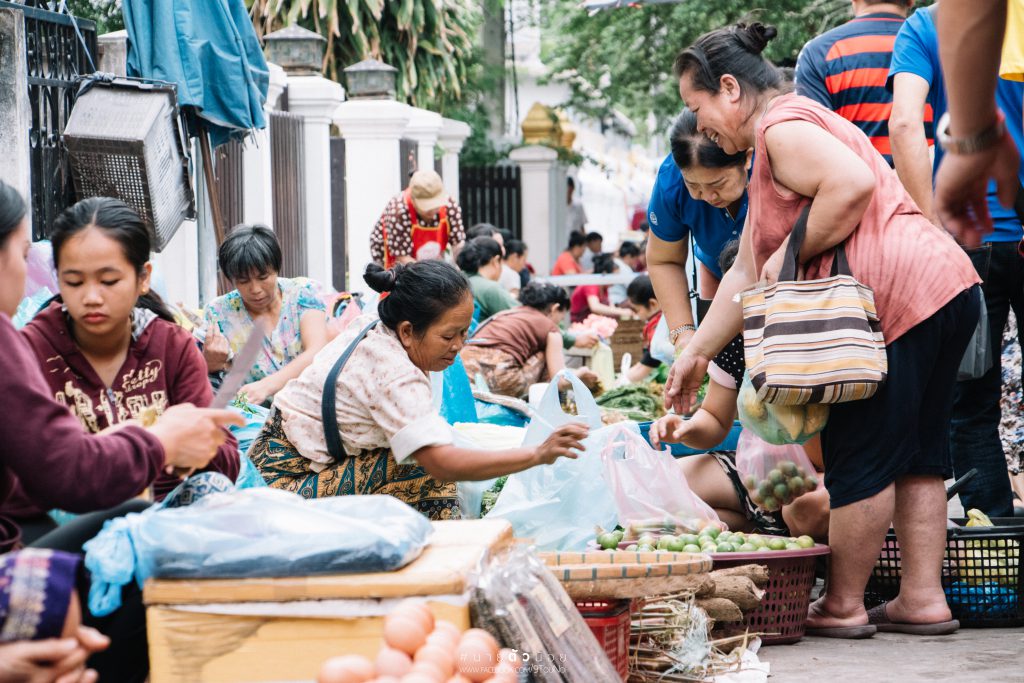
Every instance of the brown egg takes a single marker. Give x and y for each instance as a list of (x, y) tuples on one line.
[(444, 639), (393, 662), (421, 612), (347, 669), (442, 657), (404, 633), (425, 675), (475, 658), (448, 627), (459, 678), (386, 679), (431, 669), (483, 636)]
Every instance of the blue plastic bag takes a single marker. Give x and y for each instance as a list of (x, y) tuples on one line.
[(260, 532), (255, 416), (457, 404), (497, 414), (559, 505)]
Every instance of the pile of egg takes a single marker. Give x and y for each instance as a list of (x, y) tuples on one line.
[(417, 649)]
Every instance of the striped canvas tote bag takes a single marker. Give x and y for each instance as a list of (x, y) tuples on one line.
[(813, 341)]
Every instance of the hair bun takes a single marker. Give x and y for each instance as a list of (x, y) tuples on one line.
[(756, 36), (381, 280)]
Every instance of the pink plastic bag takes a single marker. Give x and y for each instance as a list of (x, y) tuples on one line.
[(650, 490), (774, 475)]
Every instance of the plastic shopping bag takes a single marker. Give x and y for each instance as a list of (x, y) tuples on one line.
[(558, 505), (649, 488), (261, 532), (779, 424), (774, 475), (453, 394)]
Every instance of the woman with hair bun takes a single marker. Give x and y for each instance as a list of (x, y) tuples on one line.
[(381, 434), (523, 345), (886, 456)]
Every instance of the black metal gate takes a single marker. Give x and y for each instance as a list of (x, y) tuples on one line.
[(491, 194), (56, 57), (408, 159), (339, 237), (287, 162)]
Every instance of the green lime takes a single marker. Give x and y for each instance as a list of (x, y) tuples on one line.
[(796, 486), (632, 548), (775, 477), (710, 531), (724, 537), (756, 540), (794, 546), (665, 541), (812, 483), (801, 472), (764, 549), (608, 541), (776, 543), (764, 489), (676, 546), (619, 533), (690, 539), (645, 548), (647, 539), (691, 548), (805, 542), (747, 548), (780, 491), (726, 548), (750, 482), (788, 468), (770, 504)]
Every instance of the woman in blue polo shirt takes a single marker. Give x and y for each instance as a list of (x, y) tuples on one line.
[(702, 191)]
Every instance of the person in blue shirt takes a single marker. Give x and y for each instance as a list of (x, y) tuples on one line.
[(919, 94), (700, 191)]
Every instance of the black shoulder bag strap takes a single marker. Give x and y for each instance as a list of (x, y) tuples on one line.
[(327, 407), (840, 265)]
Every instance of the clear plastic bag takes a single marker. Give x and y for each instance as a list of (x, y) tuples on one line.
[(559, 505), (649, 488), (518, 599), (774, 475), (779, 424), (260, 532), (661, 348)]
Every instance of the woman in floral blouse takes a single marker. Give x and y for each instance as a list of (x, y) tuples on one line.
[(292, 308)]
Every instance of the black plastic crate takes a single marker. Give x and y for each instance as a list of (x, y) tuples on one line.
[(981, 573)]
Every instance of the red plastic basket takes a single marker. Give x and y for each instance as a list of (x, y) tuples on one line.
[(610, 621), (782, 615)]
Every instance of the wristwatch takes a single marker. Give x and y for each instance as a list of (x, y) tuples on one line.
[(674, 333), (979, 142)]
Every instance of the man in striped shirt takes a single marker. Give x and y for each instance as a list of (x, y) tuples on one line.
[(845, 69)]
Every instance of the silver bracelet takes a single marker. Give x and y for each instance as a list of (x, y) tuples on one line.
[(674, 333)]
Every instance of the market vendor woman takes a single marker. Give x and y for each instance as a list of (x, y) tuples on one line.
[(383, 435), (700, 191), (422, 222)]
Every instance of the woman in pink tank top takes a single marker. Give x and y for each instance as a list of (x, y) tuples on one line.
[(885, 457)]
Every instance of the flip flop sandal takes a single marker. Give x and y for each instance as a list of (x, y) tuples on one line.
[(878, 617), (845, 632)]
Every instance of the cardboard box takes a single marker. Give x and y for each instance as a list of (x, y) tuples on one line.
[(235, 631)]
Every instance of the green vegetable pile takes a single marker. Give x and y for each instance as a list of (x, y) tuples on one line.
[(633, 401), (490, 496), (709, 540)]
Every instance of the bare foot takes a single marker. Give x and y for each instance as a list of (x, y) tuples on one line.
[(824, 614), (901, 611)]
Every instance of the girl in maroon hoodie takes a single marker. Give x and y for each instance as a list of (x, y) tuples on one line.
[(61, 465), (108, 347)]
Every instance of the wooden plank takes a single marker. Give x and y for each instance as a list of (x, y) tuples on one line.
[(443, 569)]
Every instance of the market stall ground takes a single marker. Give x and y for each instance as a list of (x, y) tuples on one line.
[(969, 656)]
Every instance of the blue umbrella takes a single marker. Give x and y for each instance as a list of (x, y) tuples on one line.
[(209, 49)]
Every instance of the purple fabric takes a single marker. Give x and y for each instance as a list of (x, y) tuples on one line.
[(35, 591)]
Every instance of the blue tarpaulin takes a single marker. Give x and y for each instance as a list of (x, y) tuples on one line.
[(210, 50)]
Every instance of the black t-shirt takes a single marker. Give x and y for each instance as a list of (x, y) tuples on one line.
[(731, 360)]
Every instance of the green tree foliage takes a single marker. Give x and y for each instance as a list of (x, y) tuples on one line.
[(622, 58), (430, 42)]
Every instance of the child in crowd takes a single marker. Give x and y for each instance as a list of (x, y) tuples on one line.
[(568, 262), (594, 243), (589, 299), (713, 476), (645, 303), (108, 346), (513, 266), (627, 261)]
